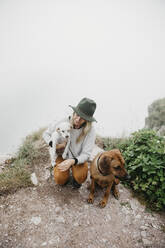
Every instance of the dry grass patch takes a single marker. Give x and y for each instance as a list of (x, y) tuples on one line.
[(18, 171)]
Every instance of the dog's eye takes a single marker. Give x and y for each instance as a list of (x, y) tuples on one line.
[(63, 131), (117, 167)]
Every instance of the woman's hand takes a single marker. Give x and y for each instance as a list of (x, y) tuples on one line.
[(66, 164)]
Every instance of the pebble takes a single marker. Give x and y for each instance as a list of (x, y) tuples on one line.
[(44, 244), (57, 210), (36, 220), (109, 217), (143, 228), (104, 240), (76, 224), (34, 179), (155, 226)]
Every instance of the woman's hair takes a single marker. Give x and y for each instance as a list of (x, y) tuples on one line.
[(85, 129)]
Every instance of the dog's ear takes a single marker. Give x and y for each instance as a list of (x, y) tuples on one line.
[(120, 157), (105, 164)]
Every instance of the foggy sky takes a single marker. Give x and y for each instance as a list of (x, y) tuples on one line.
[(53, 53)]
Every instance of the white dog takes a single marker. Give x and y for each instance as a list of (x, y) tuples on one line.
[(60, 135)]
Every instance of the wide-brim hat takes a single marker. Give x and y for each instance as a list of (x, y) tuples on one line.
[(85, 109)]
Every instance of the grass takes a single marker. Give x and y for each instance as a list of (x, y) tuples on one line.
[(17, 172), (113, 143)]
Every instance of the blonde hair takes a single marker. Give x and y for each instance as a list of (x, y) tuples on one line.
[(85, 129)]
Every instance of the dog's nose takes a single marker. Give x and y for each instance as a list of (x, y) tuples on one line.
[(67, 136)]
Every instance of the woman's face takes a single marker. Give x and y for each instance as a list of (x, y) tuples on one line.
[(77, 121)]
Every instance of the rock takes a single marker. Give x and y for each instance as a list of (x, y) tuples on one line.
[(4, 157), (44, 244), (134, 204), (104, 240), (108, 217), (34, 179), (76, 224), (57, 210), (36, 220), (155, 226), (143, 228)]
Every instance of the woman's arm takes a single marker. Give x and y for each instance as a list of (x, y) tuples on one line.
[(88, 145)]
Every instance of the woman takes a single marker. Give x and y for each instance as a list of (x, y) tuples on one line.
[(82, 139)]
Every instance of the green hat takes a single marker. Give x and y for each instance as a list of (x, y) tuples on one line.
[(85, 109)]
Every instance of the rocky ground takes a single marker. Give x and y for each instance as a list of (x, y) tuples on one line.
[(52, 216)]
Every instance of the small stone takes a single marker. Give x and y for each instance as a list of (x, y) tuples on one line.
[(57, 210), (88, 222), (44, 244), (34, 179), (76, 224), (109, 217), (155, 226), (36, 220), (143, 228)]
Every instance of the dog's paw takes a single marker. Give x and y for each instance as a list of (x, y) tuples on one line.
[(90, 200), (116, 194), (102, 204)]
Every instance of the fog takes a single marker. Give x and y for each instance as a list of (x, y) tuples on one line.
[(53, 53)]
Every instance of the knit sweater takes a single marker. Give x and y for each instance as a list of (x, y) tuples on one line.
[(81, 150)]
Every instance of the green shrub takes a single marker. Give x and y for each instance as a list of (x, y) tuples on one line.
[(145, 162)]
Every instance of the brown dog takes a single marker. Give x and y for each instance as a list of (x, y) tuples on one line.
[(107, 169)]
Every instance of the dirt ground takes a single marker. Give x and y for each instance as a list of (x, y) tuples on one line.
[(52, 216)]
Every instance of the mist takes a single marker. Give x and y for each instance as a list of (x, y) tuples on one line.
[(53, 53)]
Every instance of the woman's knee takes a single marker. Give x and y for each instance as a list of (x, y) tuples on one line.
[(61, 177), (80, 172)]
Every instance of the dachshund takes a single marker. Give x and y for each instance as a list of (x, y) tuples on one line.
[(106, 170)]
